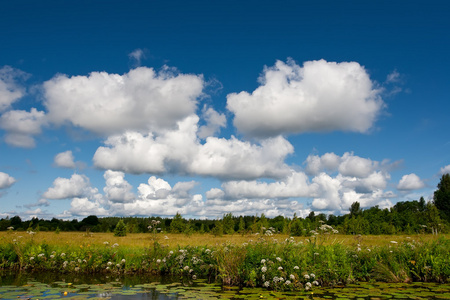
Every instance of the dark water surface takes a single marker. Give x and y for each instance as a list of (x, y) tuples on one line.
[(74, 286)]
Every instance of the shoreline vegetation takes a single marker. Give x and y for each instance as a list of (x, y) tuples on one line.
[(270, 260)]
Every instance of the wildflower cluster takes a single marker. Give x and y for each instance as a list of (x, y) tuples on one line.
[(278, 275)]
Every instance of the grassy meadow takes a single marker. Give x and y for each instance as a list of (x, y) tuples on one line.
[(171, 240), (277, 262)]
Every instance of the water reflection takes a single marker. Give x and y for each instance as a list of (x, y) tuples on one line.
[(122, 287)]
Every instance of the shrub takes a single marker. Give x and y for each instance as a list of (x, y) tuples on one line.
[(121, 229)]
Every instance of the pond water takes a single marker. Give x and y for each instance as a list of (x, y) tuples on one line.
[(72, 286)]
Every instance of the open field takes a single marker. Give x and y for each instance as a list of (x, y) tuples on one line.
[(278, 262), (142, 240)]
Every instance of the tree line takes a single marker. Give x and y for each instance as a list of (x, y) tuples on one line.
[(406, 217)]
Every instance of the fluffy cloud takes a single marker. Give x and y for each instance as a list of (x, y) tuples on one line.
[(6, 181), (21, 126), (269, 207), (214, 121), (347, 165), (65, 160), (316, 164), (336, 194), (294, 185), (355, 166), (140, 100), (410, 182), (320, 96), (329, 193), (64, 188), (117, 189), (10, 91), (180, 151), (157, 197), (445, 170), (85, 207), (134, 152), (235, 159)]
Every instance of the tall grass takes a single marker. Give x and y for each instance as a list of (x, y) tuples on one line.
[(277, 262)]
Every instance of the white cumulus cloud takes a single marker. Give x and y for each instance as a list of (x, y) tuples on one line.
[(214, 121), (10, 90), (86, 207), (21, 126), (140, 100), (65, 160), (410, 182), (356, 166), (295, 185), (180, 151), (117, 189), (445, 170), (347, 165), (75, 186), (320, 96), (236, 159), (6, 180)]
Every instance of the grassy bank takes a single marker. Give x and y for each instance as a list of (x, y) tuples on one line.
[(277, 262)]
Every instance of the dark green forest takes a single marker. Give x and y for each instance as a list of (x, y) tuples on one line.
[(408, 217)]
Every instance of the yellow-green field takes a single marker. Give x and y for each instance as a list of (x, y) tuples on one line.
[(141, 240)]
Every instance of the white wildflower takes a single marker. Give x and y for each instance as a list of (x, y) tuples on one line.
[(296, 268), (306, 276), (280, 268), (263, 269), (292, 277), (266, 284)]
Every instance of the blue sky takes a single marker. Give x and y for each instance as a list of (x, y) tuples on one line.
[(141, 108)]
